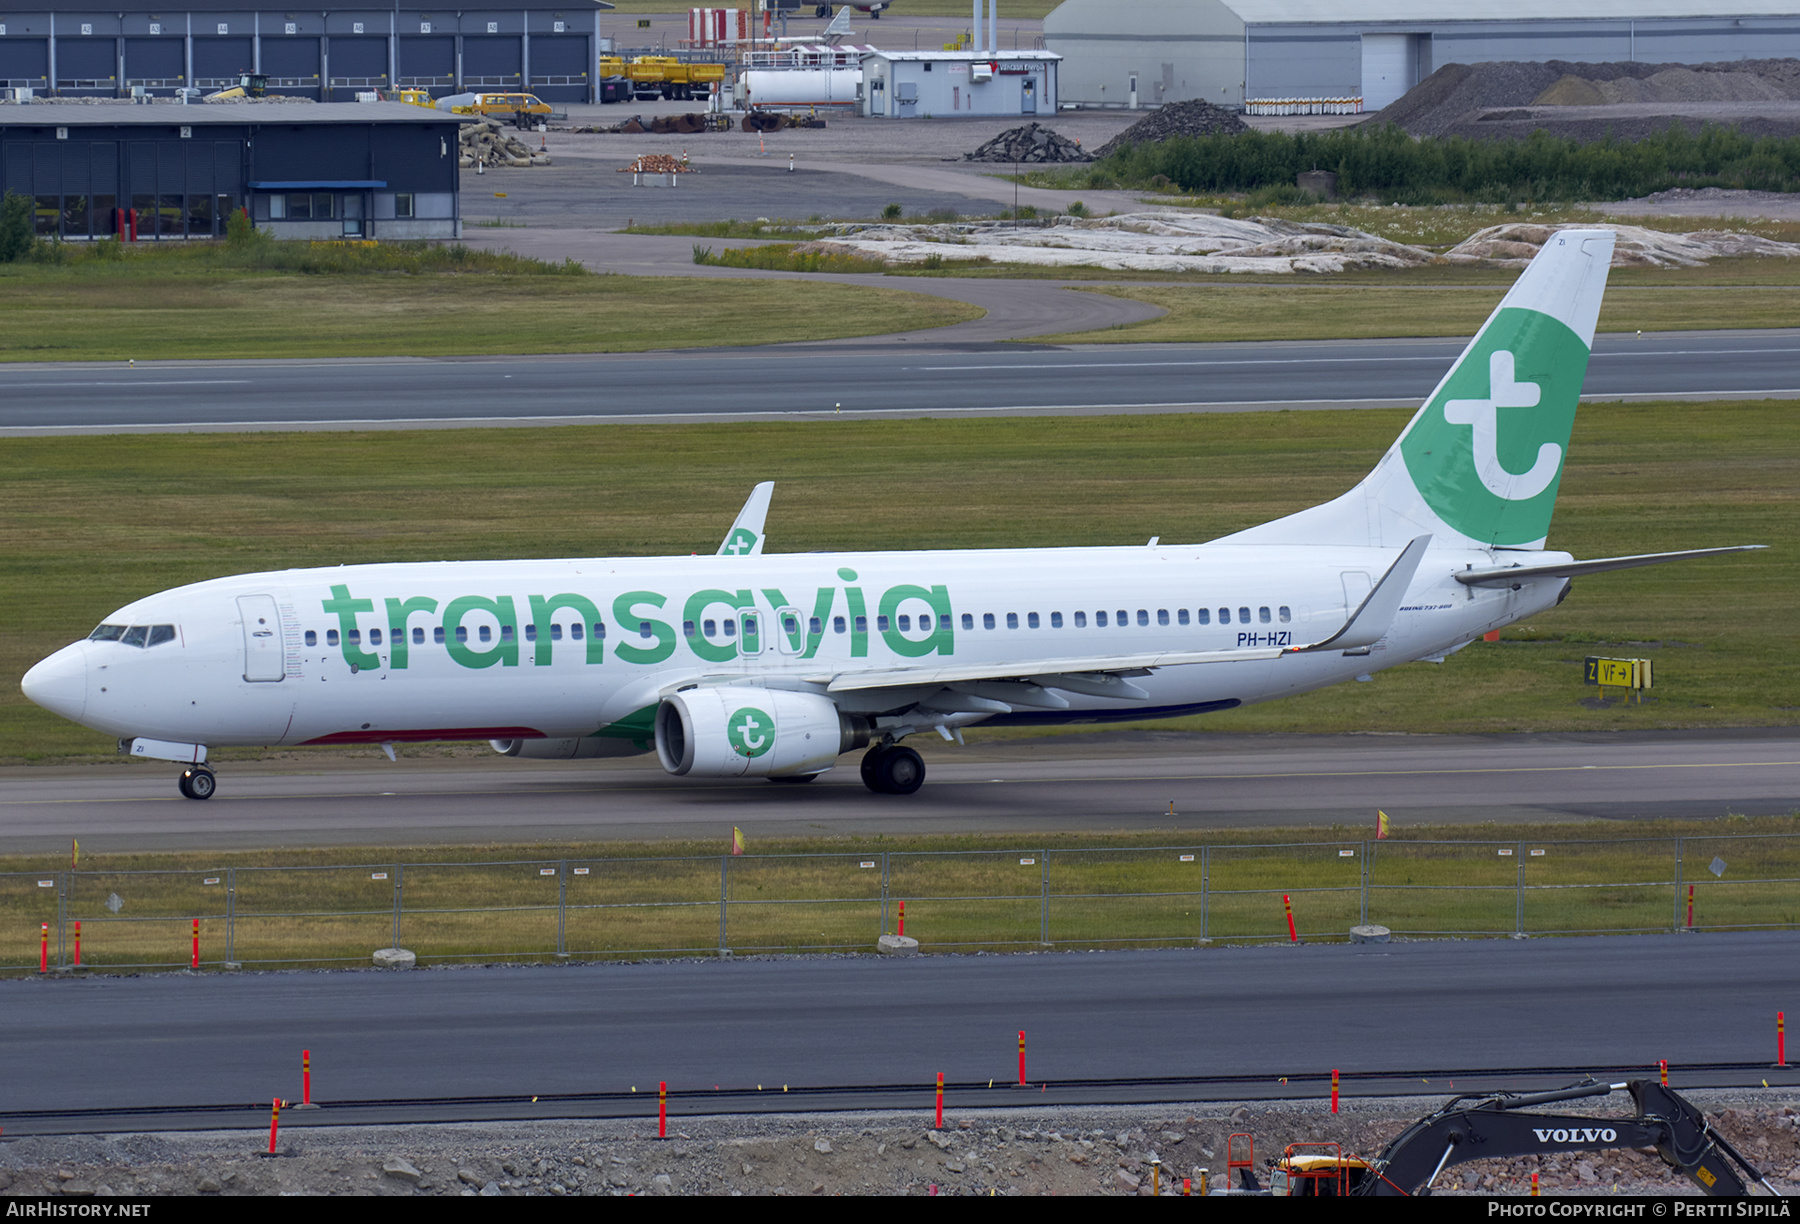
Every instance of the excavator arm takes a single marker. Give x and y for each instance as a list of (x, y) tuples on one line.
[(1471, 1128)]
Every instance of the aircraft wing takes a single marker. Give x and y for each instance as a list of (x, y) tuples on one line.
[(1097, 675), (1505, 576), (745, 539)]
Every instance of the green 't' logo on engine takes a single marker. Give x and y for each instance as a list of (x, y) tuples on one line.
[(1487, 454), (751, 732)]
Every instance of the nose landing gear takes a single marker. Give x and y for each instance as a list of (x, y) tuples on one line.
[(197, 782), (893, 770)]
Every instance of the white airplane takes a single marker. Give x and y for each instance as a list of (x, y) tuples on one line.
[(746, 664)]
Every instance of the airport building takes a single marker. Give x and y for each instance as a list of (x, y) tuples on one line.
[(937, 84), (71, 49), (1367, 53), (380, 170)]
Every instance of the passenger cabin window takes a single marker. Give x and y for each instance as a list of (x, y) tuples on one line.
[(1162, 616), (645, 631), (1031, 620), (1181, 615), (906, 623), (312, 638), (987, 620), (331, 637), (437, 635), (1203, 615), (968, 620), (1262, 614), (418, 637), (374, 637), (1056, 620), (881, 624), (1143, 617), (1243, 616), (1285, 615), (838, 624), (1100, 620), (1012, 620), (1124, 618), (1081, 620)]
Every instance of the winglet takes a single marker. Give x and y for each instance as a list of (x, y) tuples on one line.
[(745, 539), (1375, 615)]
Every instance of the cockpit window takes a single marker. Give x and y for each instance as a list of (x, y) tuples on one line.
[(137, 635)]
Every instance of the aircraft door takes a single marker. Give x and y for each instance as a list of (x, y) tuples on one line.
[(790, 627), (263, 655), (750, 634)]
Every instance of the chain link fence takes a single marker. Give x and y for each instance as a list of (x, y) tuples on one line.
[(554, 909)]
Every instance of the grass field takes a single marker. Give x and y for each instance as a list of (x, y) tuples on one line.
[(206, 301), (1455, 302), (95, 522), (1081, 890)]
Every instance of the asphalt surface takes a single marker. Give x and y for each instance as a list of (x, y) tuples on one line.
[(1187, 784), (866, 378), (1410, 1011)]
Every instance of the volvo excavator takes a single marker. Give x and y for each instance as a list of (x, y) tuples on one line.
[(1473, 1127)]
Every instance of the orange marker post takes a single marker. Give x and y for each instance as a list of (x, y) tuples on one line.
[(940, 1101), (902, 929), (1690, 922), (1293, 936), (1781, 1039), (1663, 1063), (78, 945), (1334, 1089), (44, 950), (195, 962), (1187, 1186), (305, 1078), (1534, 1186), (1021, 1058), (274, 1123), (662, 1109)]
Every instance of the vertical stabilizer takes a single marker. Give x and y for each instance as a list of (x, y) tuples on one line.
[(1479, 465), (745, 539)]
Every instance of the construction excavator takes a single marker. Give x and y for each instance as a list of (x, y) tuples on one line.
[(1474, 1127)]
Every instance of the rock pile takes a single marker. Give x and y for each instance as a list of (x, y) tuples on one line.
[(1485, 100), (1028, 144), (657, 163), (486, 141), (1514, 246), (1194, 118)]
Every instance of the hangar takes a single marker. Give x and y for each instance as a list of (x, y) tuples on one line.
[(356, 170), (1261, 54), (70, 49)]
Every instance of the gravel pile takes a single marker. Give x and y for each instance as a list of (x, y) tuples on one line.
[(1454, 98), (1194, 118), (1046, 1150), (1030, 143)]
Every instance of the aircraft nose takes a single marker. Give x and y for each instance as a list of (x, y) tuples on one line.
[(59, 683)]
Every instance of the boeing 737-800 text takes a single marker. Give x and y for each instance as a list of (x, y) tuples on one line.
[(745, 664)]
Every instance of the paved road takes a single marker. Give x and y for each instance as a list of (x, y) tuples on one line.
[(867, 378), (1113, 781), (174, 1039)]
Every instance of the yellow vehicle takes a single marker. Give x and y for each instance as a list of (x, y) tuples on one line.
[(664, 76), (417, 97), (510, 104)]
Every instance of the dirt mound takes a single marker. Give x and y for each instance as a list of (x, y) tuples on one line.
[(1456, 94), (1030, 143), (1194, 118), (1514, 246)]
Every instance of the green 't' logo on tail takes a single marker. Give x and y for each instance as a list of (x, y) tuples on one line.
[(1487, 453)]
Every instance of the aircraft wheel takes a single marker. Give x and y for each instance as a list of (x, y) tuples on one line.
[(181, 784), (869, 762), (821, 10), (199, 783), (900, 771)]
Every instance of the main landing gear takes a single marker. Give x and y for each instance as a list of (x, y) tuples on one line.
[(198, 782), (893, 770)]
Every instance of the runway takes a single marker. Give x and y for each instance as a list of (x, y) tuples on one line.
[(850, 379), (1106, 782), (222, 1046)]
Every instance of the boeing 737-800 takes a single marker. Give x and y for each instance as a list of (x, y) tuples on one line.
[(746, 664)]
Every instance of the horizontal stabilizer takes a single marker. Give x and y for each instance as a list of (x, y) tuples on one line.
[(1513, 574)]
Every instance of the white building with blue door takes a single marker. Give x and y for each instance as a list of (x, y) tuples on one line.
[(948, 84)]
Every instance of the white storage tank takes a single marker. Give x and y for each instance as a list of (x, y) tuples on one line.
[(801, 87)]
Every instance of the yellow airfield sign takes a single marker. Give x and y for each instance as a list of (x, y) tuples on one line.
[(1617, 673)]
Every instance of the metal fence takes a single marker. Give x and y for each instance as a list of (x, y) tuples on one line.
[(955, 900)]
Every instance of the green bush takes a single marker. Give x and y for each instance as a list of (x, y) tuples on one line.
[(16, 237), (891, 213), (1078, 209), (1391, 165)]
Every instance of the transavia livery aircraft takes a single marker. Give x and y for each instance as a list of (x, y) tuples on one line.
[(750, 665)]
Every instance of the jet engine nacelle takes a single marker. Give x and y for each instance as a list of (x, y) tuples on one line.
[(564, 749), (753, 732)]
